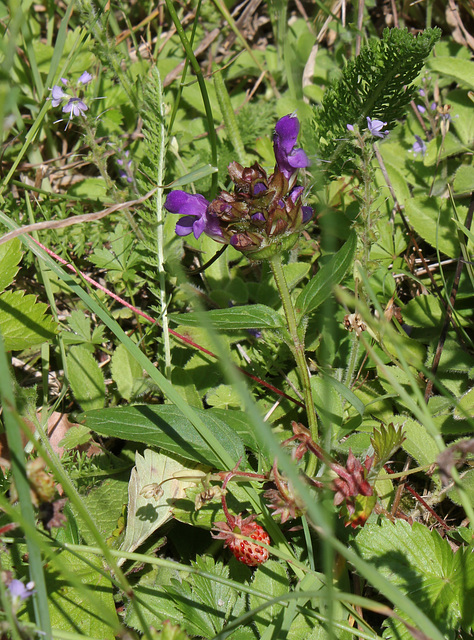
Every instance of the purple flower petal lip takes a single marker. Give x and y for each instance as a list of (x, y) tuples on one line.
[(184, 226), (295, 193), (186, 203), (288, 158), (85, 78), (375, 127), (258, 216), (57, 95), (259, 188), (193, 208), (19, 590), (307, 214)]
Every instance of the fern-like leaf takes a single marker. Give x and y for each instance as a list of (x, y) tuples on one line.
[(377, 83)]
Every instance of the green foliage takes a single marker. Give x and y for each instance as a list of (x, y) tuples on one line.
[(376, 84), (424, 566), (86, 379), (165, 426)]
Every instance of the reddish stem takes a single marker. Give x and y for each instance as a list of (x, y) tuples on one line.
[(123, 302)]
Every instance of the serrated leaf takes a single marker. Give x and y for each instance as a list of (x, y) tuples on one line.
[(252, 316), (423, 566), (23, 321), (165, 426), (223, 396), (71, 610), (77, 435), (104, 503), (320, 287), (148, 512), (86, 378), (10, 256), (270, 578), (125, 371), (385, 440)]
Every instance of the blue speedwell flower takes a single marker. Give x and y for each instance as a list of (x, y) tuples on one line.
[(375, 127), (75, 105), (19, 591), (419, 146), (263, 214)]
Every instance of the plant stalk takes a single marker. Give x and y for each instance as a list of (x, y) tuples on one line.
[(296, 345)]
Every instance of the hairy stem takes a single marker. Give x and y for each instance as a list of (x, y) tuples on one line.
[(296, 345)]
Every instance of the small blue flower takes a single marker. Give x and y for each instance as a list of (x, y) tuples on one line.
[(75, 107), (125, 170), (375, 127), (84, 78), (195, 218), (57, 95), (421, 108), (288, 158), (419, 146), (19, 591)]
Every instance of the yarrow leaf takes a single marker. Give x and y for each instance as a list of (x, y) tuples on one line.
[(376, 84)]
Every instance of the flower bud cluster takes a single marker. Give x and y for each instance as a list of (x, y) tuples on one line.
[(263, 214)]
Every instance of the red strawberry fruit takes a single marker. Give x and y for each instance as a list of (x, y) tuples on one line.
[(247, 552)]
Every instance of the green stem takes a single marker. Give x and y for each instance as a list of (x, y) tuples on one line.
[(296, 345)]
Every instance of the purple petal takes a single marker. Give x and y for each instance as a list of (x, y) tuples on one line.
[(419, 146), (421, 108), (85, 78), (287, 157), (295, 193), (350, 127), (307, 214), (19, 590), (421, 92), (375, 127), (186, 204), (199, 226), (298, 159), (75, 107), (258, 216), (184, 226), (57, 95), (259, 188)]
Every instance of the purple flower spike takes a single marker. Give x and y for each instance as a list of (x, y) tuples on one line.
[(195, 218), (57, 95), (375, 127), (288, 158), (85, 78), (19, 590), (75, 107), (419, 146)]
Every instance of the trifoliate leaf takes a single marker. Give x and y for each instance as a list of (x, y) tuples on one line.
[(23, 321), (423, 565)]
